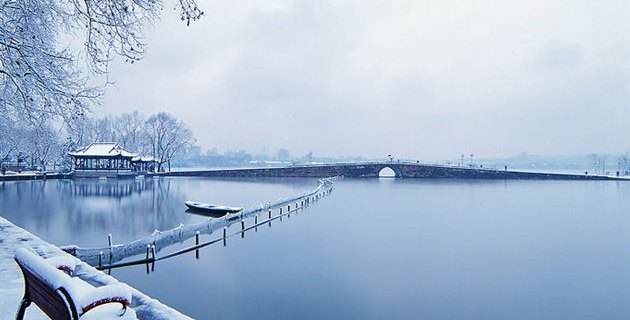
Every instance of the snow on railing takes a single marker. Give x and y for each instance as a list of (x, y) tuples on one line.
[(161, 239)]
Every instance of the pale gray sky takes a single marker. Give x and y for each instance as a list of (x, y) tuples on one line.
[(420, 79)]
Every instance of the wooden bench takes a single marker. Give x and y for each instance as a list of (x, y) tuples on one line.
[(48, 284)]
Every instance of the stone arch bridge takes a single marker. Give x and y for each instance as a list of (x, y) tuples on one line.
[(372, 170)]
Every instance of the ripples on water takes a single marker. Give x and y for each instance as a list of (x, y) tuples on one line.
[(388, 248)]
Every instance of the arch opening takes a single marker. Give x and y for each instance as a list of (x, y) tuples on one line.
[(387, 172)]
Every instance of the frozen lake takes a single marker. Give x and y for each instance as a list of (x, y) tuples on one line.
[(374, 249)]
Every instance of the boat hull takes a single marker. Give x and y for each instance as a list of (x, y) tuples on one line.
[(210, 208)]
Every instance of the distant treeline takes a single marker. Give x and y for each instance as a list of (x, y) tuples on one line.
[(195, 157), (41, 145), (596, 163)]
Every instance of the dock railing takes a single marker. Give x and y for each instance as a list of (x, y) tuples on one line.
[(149, 246)]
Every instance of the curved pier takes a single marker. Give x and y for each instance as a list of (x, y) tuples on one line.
[(106, 257)]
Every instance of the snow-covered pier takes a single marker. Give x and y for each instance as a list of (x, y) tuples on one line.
[(13, 237), (152, 244)]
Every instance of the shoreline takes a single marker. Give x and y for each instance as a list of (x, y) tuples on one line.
[(14, 237), (363, 170), (33, 176)]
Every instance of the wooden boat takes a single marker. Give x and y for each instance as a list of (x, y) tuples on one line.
[(210, 214), (211, 208)]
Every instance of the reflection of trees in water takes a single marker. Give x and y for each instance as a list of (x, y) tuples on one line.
[(152, 204), (84, 211), (109, 188), (25, 203)]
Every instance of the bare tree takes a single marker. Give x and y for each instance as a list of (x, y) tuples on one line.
[(168, 137), (62, 158), (623, 163), (125, 129), (40, 81), (596, 161), (11, 139), (161, 135), (83, 132), (42, 142), (131, 131)]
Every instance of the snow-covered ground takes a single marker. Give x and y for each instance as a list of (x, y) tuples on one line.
[(12, 284), (28, 173)]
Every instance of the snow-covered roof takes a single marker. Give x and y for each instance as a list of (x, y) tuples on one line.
[(102, 149), (143, 159)]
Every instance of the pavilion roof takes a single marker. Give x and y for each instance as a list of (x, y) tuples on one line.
[(143, 159), (102, 149)]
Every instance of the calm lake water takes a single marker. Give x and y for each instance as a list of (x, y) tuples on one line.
[(374, 249)]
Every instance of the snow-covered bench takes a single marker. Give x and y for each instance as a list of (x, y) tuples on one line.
[(48, 284)]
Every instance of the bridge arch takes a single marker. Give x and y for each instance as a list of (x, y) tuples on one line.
[(389, 172)]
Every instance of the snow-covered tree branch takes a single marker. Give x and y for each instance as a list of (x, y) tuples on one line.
[(161, 136), (40, 80), (168, 137)]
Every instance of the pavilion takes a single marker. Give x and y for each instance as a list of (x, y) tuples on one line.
[(144, 164), (108, 159)]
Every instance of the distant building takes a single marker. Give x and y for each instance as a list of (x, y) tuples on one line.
[(108, 159)]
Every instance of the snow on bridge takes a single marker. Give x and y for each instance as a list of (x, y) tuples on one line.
[(372, 170)]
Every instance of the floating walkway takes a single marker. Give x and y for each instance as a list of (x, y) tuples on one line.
[(108, 257), (151, 256)]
